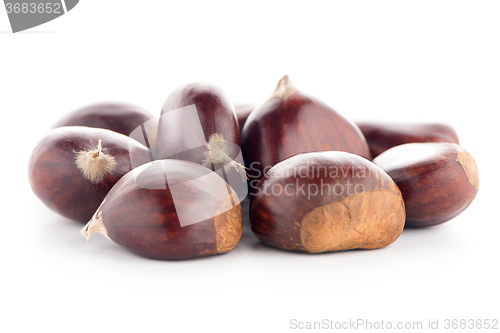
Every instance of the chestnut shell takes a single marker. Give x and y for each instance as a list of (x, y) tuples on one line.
[(118, 117), (60, 184), (438, 180), (177, 131), (242, 112), (382, 136), (170, 210)]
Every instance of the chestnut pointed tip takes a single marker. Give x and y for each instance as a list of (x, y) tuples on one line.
[(284, 88), (217, 155), (95, 225)]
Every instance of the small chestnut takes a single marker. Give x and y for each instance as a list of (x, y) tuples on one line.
[(242, 112), (170, 209), (291, 122), (382, 136), (326, 201), (72, 168), (438, 180), (118, 117)]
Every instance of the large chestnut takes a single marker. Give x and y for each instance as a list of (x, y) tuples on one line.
[(291, 122), (438, 180), (72, 168), (326, 201), (382, 136), (118, 117), (170, 209)]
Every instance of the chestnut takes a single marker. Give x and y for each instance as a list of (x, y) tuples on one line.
[(72, 168), (168, 210), (291, 122), (242, 112), (438, 180), (118, 117), (382, 136), (326, 201), (198, 124)]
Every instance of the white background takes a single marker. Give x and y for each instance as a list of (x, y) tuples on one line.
[(384, 60)]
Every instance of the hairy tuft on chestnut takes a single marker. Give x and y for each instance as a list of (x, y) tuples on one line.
[(438, 180), (72, 168), (291, 122), (169, 210), (382, 136), (325, 202)]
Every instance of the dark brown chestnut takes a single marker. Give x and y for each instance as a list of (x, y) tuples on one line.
[(291, 122), (382, 136), (198, 124), (72, 168), (242, 112), (326, 201), (438, 180), (168, 210), (118, 117)]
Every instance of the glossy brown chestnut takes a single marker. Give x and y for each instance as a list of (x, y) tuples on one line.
[(291, 122), (168, 210), (438, 180), (382, 136), (72, 168), (118, 117), (198, 124), (190, 116), (242, 112), (326, 201)]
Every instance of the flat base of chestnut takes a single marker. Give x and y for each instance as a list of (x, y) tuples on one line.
[(357, 222), (228, 230)]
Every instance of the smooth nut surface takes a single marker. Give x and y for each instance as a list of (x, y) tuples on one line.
[(383, 136), (122, 118), (71, 175), (438, 180), (291, 122), (326, 201), (170, 210)]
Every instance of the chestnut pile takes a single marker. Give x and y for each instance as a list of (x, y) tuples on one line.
[(171, 188)]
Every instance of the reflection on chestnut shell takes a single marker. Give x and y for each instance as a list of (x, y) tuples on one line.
[(326, 201), (168, 210), (72, 168), (438, 180), (291, 122), (382, 136)]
